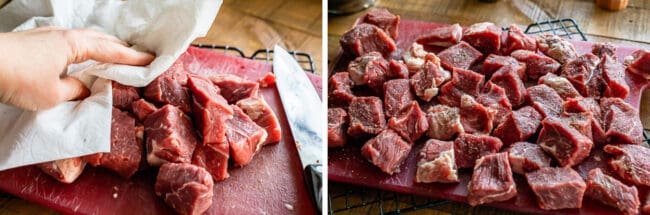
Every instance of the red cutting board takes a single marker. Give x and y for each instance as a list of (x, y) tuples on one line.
[(271, 184), (348, 166)]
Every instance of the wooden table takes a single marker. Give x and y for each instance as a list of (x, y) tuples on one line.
[(248, 25), (627, 27)]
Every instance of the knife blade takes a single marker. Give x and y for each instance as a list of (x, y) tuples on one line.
[(302, 106)]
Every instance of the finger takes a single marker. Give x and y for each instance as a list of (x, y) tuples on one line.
[(72, 89), (104, 36), (109, 52)]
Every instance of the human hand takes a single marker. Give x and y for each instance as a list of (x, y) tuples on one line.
[(33, 63)]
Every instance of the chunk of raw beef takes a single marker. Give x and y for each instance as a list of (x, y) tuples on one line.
[(536, 65), (484, 36), (234, 88), (508, 78), (169, 88), (610, 191), (375, 75), (461, 55), (621, 121), (630, 162), (268, 80), (185, 188), (491, 180), (210, 110), (475, 118), (495, 62), (517, 40), (245, 138), (366, 116), (427, 81), (518, 126), (397, 95), (386, 151), (561, 85), (397, 69), (462, 82), (340, 86), (437, 163), (358, 67), (337, 120), (590, 106), (170, 136), (545, 100), (214, 158), (613, 73), (444, 122), (526, 157), (365, 38), (416, 56), (604, 49), (582, 74), (557, 48), (639, 63), (557, 188), (410, 123), (64, 170), (142, 108), (261, 113), (126, 152), (494, 97), (383, 19), (564, 143), (442, 36), (123, 96), (468, 148)]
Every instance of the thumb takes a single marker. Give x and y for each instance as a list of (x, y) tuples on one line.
[(72, 89)]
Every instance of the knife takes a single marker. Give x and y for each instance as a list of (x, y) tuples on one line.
[(302, 106)]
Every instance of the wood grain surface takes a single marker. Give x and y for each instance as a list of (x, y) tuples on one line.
[(627, 27)]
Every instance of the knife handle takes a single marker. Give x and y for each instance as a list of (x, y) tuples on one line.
[(314, 176)]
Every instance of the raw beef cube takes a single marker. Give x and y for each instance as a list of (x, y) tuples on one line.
[(545, 100), (621, 121), (397, 95), (268, 80), (468, 148), (214, 158), (375, 75), (475, 118), (494, 97), (416, 56), (442, 36), (437, 163), (170, 136), (491, 180), (427, 81), (245, 138), (340, 86), (167, 90), (397, 69), (583, 75), (580, 121), (234, 88), (444, 122), (588, 105), (612, 192), (142, 108), (64, 170), (337, 120), (461, 55), (557, 188), (536, 65), (630, 162), (485, 37), (517, 40), (126, 152), (526, 157), (564, 143), (520, 125), (123, 96), (366, 116), (604, 49), (613, 73), (495, 62), (462, 82), (508, 78), (210, 110), (410, 123), (561, 85), (639, 63), (357, 68), (365, 38), (557, 48), (383, 19), (386, 151), (262, 114), (185, 187)]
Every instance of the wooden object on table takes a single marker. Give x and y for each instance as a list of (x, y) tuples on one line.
[(612, 5)]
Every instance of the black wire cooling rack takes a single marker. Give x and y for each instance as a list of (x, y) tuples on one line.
[(304, 59)]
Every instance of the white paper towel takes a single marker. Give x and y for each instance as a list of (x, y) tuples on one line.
[(78, 128)]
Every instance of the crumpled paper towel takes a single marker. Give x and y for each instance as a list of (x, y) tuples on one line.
[(72, 129)]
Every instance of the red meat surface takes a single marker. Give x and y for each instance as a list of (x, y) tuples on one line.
[(436, 163), (397, 69), (170, 136), (495, 62), (564, 143), (169, 88), (604, 49), (491, 180), (234, 88), (621, 121), (630, 162), (461, 55), (444, 122), (365, 38), (520, 125), (244, 137), (387, 151), (494, 97), (526, 157), (123, 96), (261, 113), (536, 65), (613, 73), (185, 187), (582, 74), (468, 148), (475, 118), (462, 82), (142, 108), (126, 152), (443, 36), (385, 20), (484, 36), (612, 192), (357, 69), (561, 85), (517, 40), (557, 188), (427, 81), (508, 78), (397, 95), (557, 48), (340, 86), (210, 110), (337, 120), (545, 100), (639, 63), (410, 123), (366, 116)]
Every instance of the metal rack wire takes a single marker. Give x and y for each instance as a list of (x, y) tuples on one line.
[(304, 59), (565, 27)]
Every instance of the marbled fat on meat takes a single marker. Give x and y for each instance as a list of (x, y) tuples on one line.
[(170, 136), (437, 163), (185, 187)]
